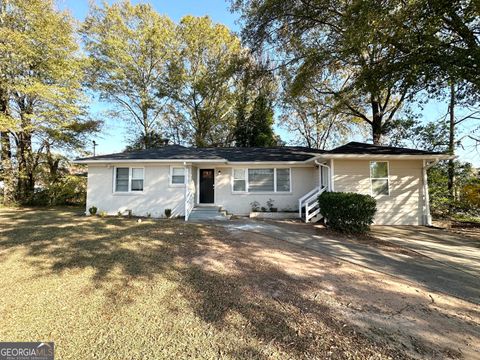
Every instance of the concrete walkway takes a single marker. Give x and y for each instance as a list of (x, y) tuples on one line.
[(441, 269)]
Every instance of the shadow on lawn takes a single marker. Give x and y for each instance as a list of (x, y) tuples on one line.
[(255, 298)]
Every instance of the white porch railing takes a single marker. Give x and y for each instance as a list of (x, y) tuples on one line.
[(309, 202), (189, 203), (189, 194)]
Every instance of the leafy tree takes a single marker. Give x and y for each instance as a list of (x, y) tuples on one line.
[(465, 200), (202, 82), (311, 116), (155, 140), (40, 82), (256, 130), (131, 48), (441, 38), (334, 48), (254, 107)]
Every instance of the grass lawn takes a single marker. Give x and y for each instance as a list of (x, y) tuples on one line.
[(113, 288)]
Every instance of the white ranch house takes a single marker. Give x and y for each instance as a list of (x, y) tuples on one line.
[(203, 181)]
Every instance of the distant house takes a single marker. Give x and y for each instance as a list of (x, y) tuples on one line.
[(186, 179)]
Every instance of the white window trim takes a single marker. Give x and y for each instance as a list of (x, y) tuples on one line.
[(245, 173), (247, 181), (170, 177), (375, 178), (129, 192)]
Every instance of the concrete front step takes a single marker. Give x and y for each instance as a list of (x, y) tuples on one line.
[(208, 213)]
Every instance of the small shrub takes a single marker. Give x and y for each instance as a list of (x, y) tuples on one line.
[(103, 213), (93, 210), (168, 212), (149, 215), (255, 205), (270, 204), (130, 213), (348, 212), (263, 209), (119, 214)]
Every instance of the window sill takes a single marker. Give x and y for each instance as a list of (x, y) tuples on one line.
[(261, 193), (176, 185), (129, 193)]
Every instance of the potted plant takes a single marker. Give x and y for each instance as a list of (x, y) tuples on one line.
[(270, 206)]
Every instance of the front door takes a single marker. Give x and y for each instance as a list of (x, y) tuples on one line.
[(206, 186)]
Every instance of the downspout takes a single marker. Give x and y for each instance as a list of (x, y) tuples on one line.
[(320, 165), (187, 184), (427, 218)]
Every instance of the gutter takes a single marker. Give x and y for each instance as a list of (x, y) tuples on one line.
[(427, 217), (381, 156)]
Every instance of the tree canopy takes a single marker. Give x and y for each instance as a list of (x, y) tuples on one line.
[(43, 105), (131, 48)]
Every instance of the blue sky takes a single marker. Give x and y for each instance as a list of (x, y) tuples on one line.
[(112, 138)]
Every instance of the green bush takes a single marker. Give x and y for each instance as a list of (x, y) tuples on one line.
[(93, 210), (348, 212), (168, 212)]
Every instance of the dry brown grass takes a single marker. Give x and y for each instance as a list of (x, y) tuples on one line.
[(113, 288)]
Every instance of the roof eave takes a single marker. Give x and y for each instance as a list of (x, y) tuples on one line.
[(123, 161), (388, 156)]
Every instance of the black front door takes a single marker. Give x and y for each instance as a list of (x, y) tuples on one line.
[(206, 186)]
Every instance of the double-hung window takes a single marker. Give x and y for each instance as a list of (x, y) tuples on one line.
[(177, 175), (239, 180), (379, 178), (261, 180), (129, 179)]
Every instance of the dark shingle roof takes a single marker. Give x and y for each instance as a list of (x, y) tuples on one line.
[(232, 154), (241, 154), (370, 149)]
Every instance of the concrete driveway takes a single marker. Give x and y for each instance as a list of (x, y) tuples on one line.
[(432, 258), (458, 251)]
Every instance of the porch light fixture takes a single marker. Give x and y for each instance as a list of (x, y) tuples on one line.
[(219, 172)]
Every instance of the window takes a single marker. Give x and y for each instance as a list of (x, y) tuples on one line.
[(239, 180), (177, 175), (283, 180), (137, 179), (261, 180), (121, 180), (128, 179), (379, 178)]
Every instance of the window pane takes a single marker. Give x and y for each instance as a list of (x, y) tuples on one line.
[(283, 179), (178, 171), (378, 169), (178, 179), (137, 173), (260, 180), (178, 175), (239, 174), (379, 187), (121, 180), (239, 185), (137, 185)]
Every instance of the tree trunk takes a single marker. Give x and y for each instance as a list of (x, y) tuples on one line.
[(6, 157), (7, 169), (451, 143), (26, 163), (377, 126)]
